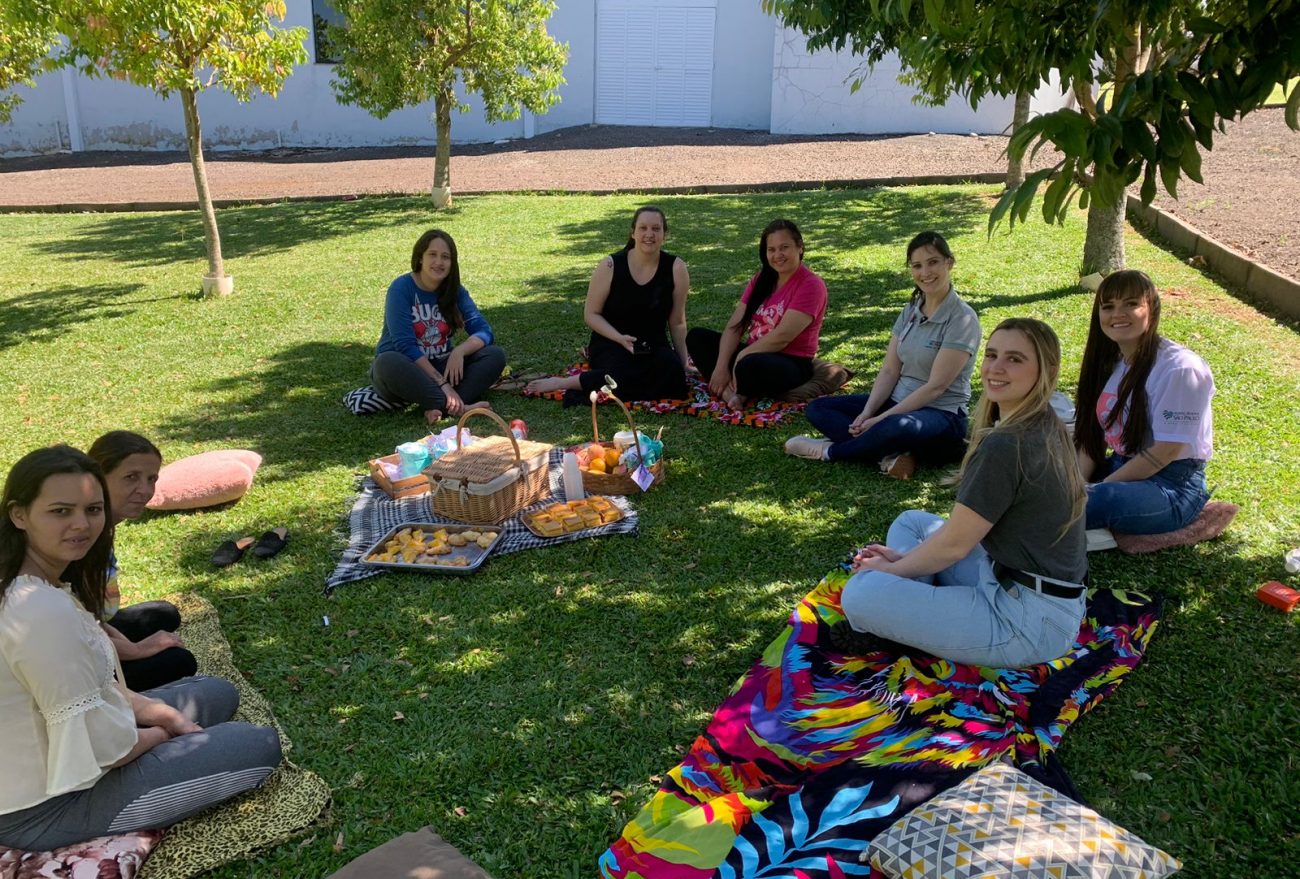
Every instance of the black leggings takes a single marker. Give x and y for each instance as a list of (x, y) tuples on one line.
[(758, 375), (657, 375), (139, 621)]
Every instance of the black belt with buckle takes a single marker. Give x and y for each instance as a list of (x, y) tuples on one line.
[(1038, 584)]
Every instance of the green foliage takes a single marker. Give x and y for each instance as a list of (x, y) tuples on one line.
[(398, 53), (24, 44), (171, 46), (1179, 70)]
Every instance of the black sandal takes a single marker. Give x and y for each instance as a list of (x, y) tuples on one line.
[(270, 543), (231, 551)]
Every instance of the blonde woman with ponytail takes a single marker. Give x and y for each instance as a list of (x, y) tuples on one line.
[(1000, 581)]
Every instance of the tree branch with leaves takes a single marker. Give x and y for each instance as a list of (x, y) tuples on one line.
[(1178, 70), (175, 47), (402, 53)]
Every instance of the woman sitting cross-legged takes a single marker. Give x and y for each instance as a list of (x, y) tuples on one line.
[(81, 755), (1146, 401), (917, 407), (1000, 582), (635, 301), (768, 345), (415, 361), (144, 634)]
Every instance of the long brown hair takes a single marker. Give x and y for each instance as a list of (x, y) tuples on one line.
[(449, 290), (765, 283), (1034, 413), (1100, 355), (89, 575)]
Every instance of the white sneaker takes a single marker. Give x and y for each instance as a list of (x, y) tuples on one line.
[(807, 447), (1099, 539)]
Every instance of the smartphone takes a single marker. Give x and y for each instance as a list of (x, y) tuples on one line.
[(640, 346)]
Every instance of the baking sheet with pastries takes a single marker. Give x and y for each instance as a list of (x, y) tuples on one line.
[(430, 547)]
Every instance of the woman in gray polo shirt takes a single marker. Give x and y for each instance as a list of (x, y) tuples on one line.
[(917, 406)]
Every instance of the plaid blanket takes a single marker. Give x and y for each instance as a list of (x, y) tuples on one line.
[(700, 404), (814, 752), (374, 514)]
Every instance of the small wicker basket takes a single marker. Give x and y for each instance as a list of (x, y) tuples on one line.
[(490, 481), (615, 483)]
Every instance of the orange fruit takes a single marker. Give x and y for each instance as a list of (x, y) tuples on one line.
[(611, 459), (597, 465), (596, 450)]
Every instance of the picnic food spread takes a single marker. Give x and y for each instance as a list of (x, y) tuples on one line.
[(433, 545), (568, 517)]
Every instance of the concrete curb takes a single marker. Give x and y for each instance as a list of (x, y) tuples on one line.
[(707, 189), (1257, 281)]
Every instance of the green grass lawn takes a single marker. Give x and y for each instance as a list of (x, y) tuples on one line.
[(544, 696)]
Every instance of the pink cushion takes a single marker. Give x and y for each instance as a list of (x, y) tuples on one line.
[(205, 480), (105, 857), (1208, 525)]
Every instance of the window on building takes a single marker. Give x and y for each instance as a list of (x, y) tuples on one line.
[(323, 14)]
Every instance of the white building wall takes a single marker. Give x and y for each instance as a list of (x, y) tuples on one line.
[(811, 95), (742, 66), (763, 79)]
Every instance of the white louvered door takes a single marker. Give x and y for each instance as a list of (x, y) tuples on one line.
[(654, 63)]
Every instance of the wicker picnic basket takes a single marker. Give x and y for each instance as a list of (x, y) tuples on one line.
[(615, 483), (491, 480)]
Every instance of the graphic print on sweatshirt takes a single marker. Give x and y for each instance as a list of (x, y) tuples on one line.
[(432, 333)]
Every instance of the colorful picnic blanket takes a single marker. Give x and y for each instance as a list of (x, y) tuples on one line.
[(374, 514), (813, 753), (763, 413)]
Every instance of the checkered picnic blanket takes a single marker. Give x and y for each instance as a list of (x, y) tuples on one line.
[(375, 514)]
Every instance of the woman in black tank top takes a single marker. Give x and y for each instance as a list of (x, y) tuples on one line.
[(636, 308)]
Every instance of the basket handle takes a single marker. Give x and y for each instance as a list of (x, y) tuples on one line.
[(510, 435), (627, 413)]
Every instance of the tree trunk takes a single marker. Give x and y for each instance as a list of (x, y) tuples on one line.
[(1103, 248), (1016, 167), (442, 161), (194, 136)]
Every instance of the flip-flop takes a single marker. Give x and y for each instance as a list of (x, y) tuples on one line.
[(231, 551), (270, 543)]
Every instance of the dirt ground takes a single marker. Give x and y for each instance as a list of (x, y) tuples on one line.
[(1250, 200)]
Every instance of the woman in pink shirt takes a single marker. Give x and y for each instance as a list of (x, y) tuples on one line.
[(769, 342)]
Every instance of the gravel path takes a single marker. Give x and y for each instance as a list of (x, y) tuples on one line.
[(1251, 198)]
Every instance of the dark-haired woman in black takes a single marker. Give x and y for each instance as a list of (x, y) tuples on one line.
[(635, 301), (771, 338)]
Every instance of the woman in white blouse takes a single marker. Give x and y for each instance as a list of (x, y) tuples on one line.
[(80, 755)]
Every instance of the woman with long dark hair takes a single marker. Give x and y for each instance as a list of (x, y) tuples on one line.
[(636, 301), (82, 755), (768, 345), (916, 410), (144, 634), (1145, 425), (1000, 582), (415, 361)]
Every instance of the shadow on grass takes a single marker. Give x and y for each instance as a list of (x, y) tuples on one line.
[(45, 314), (162, 239)]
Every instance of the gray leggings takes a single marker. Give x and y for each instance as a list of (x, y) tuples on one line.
[(169, 782), (396, 377)]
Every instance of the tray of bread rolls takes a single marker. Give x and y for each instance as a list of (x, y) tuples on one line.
[(570, 517), (441, 549)]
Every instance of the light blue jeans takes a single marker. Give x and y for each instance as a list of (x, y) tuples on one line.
[(1167, 501), (962, 613)]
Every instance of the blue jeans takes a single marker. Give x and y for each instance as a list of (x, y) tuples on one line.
[(936, 437), (1165, 502), (962, 613)]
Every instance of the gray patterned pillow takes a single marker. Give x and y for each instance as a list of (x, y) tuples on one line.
[(1002, 823)]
